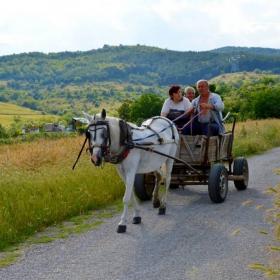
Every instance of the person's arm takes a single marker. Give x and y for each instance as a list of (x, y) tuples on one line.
[(188, 107), (192, 108), (218, 103), (165, 108)]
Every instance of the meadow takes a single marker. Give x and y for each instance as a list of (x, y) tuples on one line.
[(8, 112), (38, 187)]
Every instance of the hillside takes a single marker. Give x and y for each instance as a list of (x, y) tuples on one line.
[(12, 109), (233, 78), (244, 50), (131, 64), (11, 112), (72, 82)]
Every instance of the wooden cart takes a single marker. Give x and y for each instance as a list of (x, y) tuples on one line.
[(202, 161)]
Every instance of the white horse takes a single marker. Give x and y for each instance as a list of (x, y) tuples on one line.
[(134, 150)]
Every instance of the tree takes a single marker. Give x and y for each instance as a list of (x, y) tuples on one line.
[(148, 105), (268, 80), (266, 104), (124, 109), (3, 132)]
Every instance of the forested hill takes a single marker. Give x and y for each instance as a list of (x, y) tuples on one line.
[(70, 82), (134, 64), (243, 50)]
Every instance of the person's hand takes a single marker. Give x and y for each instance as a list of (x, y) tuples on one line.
[(191, 111), (193, 108), (207, 106), (204, 106)]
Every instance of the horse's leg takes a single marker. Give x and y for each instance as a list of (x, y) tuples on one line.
[(163, 201), (128, 180), (123, 222), (136, 216), (158, 175)]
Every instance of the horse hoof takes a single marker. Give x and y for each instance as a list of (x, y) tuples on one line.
[(136, 220), (121, 229), (161, 211), (156, 204)]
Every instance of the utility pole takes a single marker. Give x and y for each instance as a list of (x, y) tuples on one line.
[(234, 61)]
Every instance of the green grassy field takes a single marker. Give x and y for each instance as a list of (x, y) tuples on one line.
[(9, 111)]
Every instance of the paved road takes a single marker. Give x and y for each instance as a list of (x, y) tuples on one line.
[(192, 241)]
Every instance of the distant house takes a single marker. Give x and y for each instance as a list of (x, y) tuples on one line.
[(32, 129), (76, 122), (54, 127)]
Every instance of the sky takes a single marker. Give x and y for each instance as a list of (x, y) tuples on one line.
[(181, 25)]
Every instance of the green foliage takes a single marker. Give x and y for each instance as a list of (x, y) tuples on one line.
[(3, 133), (266, 104), (125, 109), (267, 80), (148, 105), (260, 103)]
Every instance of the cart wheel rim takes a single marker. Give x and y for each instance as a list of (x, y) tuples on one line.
[(246, 174), (223, 185)]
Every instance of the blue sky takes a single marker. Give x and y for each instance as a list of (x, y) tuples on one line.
[(181, 25)]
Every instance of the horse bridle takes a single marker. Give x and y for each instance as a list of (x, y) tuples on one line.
[(105, 134)]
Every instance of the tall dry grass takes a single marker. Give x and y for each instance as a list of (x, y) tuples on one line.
[(255, 136), (39, 188)]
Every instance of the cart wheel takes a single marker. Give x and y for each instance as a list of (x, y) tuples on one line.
[(144, 185), (218, 183), (240, 167)]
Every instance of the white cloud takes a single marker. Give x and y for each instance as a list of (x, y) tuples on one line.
[(60, 25)]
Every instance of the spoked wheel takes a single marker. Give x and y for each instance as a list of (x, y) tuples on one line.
[(218, 183), (144, 185), (240, 167)]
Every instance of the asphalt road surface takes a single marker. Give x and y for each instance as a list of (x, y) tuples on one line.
[(194, 240)]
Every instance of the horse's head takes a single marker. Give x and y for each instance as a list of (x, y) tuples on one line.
[(98, 135)]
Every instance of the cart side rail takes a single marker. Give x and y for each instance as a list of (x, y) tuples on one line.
[(193, 148)]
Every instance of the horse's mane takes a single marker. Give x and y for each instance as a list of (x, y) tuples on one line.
[(112, 120)]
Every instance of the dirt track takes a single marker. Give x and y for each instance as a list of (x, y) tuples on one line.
[(194, 240)]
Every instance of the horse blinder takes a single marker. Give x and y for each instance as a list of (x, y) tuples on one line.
[(104, 134)]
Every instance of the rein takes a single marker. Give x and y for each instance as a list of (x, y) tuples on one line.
[(194, 116), (150, 149), (79, 154)]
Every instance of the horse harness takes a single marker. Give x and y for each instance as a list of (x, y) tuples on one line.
[(126, 141)]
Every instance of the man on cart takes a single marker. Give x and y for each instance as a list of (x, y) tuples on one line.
[(207, 106)]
